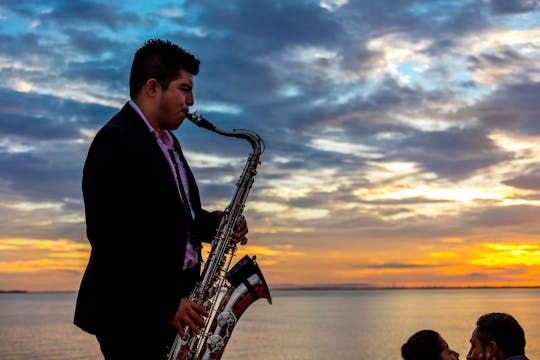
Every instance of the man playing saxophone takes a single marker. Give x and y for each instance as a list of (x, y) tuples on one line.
[(144, 217)]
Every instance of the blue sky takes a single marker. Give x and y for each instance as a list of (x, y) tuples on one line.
[(401, 136)]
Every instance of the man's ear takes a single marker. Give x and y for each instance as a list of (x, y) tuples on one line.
[(151, 87), (492, 350)]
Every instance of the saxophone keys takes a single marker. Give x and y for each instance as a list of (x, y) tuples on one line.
[(215, 343), (226, 319)]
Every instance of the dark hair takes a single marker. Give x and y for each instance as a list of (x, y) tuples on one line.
[(161, 60), (504, 330), (423, 345)]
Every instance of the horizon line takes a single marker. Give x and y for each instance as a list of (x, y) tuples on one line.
[(324, 287)]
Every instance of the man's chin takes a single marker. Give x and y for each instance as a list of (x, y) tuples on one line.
[(176, 125)]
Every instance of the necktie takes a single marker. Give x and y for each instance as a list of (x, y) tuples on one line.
[(181, 186)]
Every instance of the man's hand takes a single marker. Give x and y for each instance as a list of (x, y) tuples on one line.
[(240, 231), (189, 314)]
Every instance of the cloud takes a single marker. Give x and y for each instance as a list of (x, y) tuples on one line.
[(396, 266), (385, 123), (64, 14), (526, 181), (511, 258), (263, 26), (516, 216), (454, 153), (42, 148), (513, 6), (513, 108)]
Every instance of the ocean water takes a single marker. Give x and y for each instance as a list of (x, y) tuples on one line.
[(299, 325)]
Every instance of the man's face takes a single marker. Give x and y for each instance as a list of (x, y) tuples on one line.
[(175, 101), (476, 347), (447, 353)]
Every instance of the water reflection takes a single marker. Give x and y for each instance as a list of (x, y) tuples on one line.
[(360, 324)]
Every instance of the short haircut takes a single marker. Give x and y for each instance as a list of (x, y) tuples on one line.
[(504, 330), (423, 345), (161, 60)]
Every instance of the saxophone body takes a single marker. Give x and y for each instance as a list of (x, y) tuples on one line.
[(223, 291)]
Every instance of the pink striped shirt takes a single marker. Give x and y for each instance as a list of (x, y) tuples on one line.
[(165, 142)]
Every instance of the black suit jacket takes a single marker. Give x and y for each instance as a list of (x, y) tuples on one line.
[(137, 229)]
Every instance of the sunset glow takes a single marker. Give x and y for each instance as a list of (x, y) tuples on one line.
[(401, 137)]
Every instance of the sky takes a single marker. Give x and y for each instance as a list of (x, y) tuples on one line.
[(401, 136)]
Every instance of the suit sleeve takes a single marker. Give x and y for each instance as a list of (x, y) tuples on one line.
[(206, 224)]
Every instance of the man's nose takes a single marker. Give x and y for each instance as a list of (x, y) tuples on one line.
[(190, 100)]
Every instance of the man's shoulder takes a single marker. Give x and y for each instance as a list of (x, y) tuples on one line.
[(124, 122), (517, 357), (123, 118)]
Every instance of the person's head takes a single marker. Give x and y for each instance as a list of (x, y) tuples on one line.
[(427, 345), (497, 335), (161, 82)]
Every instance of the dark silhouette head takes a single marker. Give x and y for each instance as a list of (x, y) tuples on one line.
[(504, 330), (425, 345), (161, 60)]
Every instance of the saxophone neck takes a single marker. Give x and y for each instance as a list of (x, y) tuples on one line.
[(254, 139)]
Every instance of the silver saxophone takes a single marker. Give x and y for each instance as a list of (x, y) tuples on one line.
[(224, 293)]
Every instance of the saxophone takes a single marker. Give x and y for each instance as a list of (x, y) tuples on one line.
[(224, 293)]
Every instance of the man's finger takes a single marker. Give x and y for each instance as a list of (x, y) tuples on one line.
[(191, 325), (196, 318), (180, 331), (199, 309)]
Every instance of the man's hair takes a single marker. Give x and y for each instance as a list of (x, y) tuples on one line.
[(423, 345), (161, 60), (504, 330)]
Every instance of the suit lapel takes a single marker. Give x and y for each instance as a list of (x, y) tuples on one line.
[(151, 151)]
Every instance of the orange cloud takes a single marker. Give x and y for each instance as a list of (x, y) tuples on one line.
[(501, 255), (25, 255)]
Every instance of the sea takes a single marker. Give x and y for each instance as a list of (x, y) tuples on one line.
[(298, 325)]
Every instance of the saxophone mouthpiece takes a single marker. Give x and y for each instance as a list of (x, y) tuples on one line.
[(199, 120)]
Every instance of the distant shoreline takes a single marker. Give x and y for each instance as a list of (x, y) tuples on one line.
[(35, 292), (296, 288), (320, 288)]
